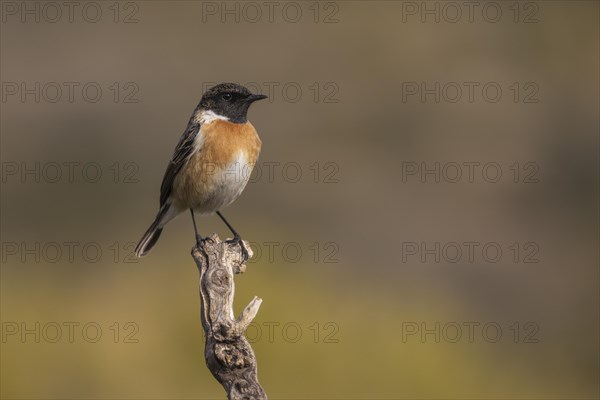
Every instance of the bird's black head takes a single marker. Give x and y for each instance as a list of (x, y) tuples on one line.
[(229, 100)]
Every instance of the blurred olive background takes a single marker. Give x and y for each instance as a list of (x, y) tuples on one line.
[(336, 319)]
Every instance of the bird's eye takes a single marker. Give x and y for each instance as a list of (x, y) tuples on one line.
[(227, 96)]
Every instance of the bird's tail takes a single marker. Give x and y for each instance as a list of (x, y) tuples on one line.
[(151, 236), (149, 239)]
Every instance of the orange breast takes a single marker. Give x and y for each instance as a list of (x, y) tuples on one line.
[(223, 141), (208, 181)]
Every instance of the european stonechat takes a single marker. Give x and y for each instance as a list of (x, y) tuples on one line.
[(211, 164)]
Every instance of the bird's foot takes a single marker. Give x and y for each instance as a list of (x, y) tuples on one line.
[(199, 241), (238, 240)]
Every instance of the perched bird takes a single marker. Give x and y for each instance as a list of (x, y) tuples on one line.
[(211, 164)]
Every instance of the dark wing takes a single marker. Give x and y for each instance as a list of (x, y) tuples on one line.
[(180, 156)]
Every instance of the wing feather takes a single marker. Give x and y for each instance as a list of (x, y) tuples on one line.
[(183, 150)]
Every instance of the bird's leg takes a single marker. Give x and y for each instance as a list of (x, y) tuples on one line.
[(199, 238), (237, 239)]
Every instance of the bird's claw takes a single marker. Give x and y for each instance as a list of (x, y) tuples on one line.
[(199, 241), (238, 240)]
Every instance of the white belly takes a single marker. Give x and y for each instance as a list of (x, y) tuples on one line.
[(225, 185)]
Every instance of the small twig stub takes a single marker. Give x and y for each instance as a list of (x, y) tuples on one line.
[(229, 356)]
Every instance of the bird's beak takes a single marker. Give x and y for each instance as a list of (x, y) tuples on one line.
[(254, 97)]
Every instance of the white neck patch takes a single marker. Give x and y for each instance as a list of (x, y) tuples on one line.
[(207, 116)]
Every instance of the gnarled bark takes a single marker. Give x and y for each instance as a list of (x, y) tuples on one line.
[(229, 356)]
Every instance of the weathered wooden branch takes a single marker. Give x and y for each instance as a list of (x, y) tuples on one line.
[(229, 356)]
